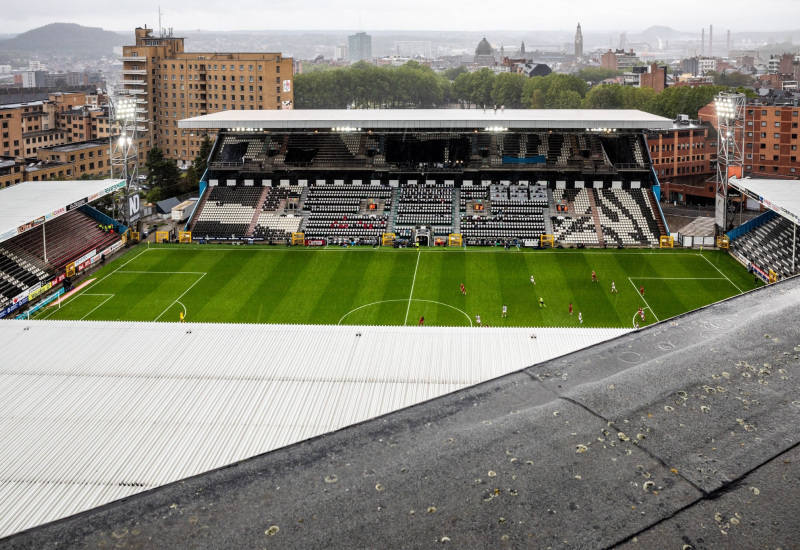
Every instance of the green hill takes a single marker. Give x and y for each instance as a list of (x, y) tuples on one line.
[(65, 39)]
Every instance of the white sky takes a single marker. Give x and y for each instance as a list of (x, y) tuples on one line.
[(470, 15)]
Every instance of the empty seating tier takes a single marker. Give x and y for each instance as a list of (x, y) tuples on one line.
[(626, 217), (769, 246), (228, 212), (68, 237), (425, 205)]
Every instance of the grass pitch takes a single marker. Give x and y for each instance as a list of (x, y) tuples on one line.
[(363, 286)]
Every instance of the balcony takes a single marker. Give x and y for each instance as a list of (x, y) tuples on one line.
[(142, 59), (134, 71), (135, 82), (133, 92)]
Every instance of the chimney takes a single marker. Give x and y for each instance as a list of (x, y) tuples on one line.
[(703, 42), (728, 42), (711, 41)]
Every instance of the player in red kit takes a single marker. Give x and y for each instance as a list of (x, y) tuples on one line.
[(570, 308), (641, 290), (463, 290), (594, 277), (422, 320)]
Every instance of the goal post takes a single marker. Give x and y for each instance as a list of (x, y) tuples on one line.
[(387, 239), (185, 237), (723, 242), (162, 236), (666, 241), (547, 240), (454, 239), (298, 238)]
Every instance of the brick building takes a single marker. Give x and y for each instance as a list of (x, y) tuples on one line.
[(170, 84), (684, 159), (771, 136), (62, 162)]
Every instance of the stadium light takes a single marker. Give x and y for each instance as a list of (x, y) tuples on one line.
[(125, 109)]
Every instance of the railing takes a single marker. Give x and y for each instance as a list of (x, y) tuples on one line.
[(752, 224)]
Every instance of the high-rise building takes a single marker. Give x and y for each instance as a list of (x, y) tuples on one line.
[(359, 47), (578, 42), (171, 84)]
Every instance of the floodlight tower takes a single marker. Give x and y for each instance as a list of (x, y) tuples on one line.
[(125, 154), (730, 109)]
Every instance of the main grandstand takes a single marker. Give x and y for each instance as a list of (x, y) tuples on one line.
[(583, 178), (49, 231)]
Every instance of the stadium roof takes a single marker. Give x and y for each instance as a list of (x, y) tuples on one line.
[(465, 119), (681, 435), (30, 204), (89, 416), (782, 196)]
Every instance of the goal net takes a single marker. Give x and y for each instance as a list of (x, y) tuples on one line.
[(666, 241), (454, 239)]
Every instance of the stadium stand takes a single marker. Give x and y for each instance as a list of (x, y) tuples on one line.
[(68, 237), (228, 212), (769, 246), (18, 272), (425, 205), (626, 217), (348, 212), (515, 212)]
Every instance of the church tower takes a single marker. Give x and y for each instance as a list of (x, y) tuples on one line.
[(578, 42)]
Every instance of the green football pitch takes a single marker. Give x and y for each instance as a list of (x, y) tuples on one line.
[(362, 286)]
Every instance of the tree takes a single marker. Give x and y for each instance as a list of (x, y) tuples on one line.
[(731, 80), (190, 180), (162, 172), (507, 90), (452, 74), (554, 91), (200, 162), (597, 74), (605, 96)]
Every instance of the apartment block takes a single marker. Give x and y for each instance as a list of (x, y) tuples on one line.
[(170, 84), (771, 128), (684, 159)]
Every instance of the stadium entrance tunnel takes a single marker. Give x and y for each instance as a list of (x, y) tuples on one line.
[(394, 312)]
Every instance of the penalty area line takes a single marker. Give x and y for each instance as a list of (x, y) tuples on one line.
[(179, 297), (643, 299), (101, 303)]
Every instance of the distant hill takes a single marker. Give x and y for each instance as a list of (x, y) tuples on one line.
[(65, 39), (664, 33)]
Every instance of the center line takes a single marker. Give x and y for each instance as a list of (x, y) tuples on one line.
[(412, 289)]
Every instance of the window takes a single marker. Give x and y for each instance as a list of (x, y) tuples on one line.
[(763, 123), (776, 136), (777, 125), (763, 134)]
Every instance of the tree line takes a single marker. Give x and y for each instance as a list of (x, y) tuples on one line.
[(365, 86)]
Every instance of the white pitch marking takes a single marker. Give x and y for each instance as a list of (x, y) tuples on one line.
[(637, 313), (166, 272), (403, 300), (101, 303), (720, 272), (179, 297), (412, 288), (645, 301)]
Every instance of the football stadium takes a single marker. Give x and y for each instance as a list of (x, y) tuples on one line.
[(350, 283)]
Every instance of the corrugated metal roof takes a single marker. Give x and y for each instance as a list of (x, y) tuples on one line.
[(35, 202), (779, 195), (565, 119), (91, 412)]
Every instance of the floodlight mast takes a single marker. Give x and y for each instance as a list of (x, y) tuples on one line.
[(730, 110), (125, 153)]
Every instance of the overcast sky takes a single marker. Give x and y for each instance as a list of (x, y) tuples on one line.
[(473, 15)]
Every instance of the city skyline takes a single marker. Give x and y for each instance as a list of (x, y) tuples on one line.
[(684, 15)]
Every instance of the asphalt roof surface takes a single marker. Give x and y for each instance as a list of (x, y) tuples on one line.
[(683, 435)]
